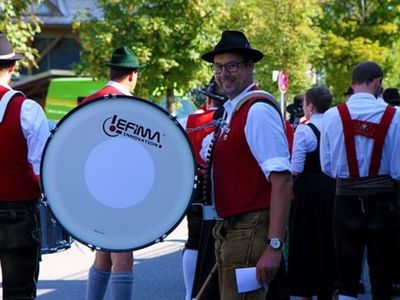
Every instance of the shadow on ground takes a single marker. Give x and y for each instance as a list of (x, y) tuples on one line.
[(154, 278)]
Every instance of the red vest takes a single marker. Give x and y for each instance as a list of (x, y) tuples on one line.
[(289, 131), (17, 179), (378, 132), (105, 91), (195, 121), (239, 183)]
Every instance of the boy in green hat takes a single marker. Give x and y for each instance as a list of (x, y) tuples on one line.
[(124, 70), (111, 266)]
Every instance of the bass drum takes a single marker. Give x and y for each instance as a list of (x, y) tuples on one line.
[(118, 173)]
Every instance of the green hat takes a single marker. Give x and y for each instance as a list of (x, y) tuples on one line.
[(124, 58)]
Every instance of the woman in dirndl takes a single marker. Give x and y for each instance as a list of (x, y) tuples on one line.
[(311, 264)]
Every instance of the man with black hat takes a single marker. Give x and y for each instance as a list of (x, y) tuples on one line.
[(251, 173), (112, 266), (295, 110), (23, 133), (359, 147)]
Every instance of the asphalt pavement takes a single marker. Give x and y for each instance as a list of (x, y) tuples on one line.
[(157, 271)]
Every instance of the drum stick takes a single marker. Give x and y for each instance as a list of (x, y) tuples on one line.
[(203, 288)]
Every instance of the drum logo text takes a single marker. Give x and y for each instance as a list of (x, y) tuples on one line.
[(115, 126)]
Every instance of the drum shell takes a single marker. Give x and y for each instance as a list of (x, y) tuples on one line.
[(53, 236)]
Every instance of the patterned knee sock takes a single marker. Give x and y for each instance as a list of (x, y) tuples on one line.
[(121, 286), (96, 284)]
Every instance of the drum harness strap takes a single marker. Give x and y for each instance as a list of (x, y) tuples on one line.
[(5, 100)]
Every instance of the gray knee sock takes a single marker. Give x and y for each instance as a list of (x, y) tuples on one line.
[(189, 261), (96, 284), (121, 286)]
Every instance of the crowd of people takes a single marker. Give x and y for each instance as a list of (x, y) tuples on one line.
[(339, 164), (321, 186)]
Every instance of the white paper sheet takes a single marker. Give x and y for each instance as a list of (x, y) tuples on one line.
[(246, 280)]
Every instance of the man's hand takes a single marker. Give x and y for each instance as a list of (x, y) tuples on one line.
[(268, 265)]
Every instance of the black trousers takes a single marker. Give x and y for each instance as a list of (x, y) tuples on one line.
[(194, 220), (19, 249), (371, 221)]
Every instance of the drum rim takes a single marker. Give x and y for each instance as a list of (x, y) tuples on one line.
[(112, 97)]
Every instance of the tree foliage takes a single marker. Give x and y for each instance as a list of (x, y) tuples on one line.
[(282, 30), (20, 27), (168, 36), (302, 37), (353, 31)]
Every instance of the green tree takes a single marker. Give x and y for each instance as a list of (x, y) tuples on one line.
[(283, 31), (392, 66), (20, 27), (168, 36), (353, 31)]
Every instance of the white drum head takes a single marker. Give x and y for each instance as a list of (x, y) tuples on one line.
[(118, 173)]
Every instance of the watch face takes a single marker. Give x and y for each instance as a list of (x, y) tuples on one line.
[(275, 243)]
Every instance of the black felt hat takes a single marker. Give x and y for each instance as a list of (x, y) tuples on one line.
[(349, 92), (297, 104), (233, 42), (6, 49), (391, 96)]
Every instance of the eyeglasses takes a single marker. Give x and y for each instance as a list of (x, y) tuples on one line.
[(229, 67)]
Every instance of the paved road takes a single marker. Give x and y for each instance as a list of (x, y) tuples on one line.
[(157, 272)]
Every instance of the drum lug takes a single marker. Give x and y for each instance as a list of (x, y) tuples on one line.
[(161, 239), (196, 182), (53, 130), (93, 247), (43, 199)]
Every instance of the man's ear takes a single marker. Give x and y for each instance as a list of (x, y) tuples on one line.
[(130, 77), (11, 69)]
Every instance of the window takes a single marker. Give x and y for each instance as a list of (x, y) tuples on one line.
[(46, 8)]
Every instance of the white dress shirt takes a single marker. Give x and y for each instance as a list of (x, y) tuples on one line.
[(35, 129), (304, 142), (264, 134), (365, 107), (119, 87)]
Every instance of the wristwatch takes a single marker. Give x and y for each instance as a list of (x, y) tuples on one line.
[(275, 243)]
